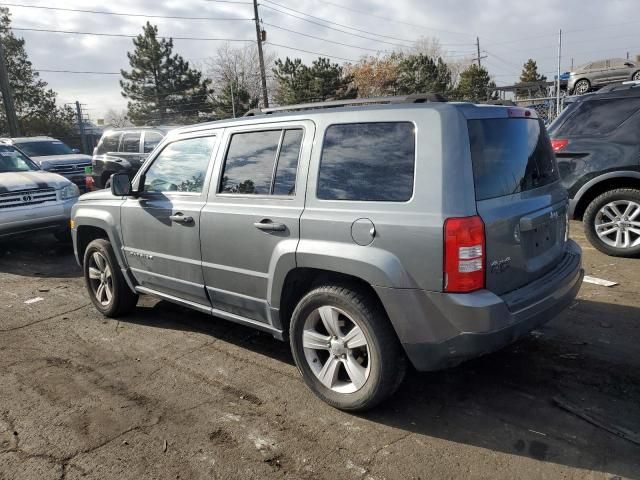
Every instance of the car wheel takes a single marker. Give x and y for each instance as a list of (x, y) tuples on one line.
[(581, 87), (105, 283), (636, 76), (612, 222), (345, 347)]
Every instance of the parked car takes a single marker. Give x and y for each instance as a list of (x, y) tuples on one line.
[(594, 75), (123, 150), (31, 199), (365, 234), (597, 144), (55, 156)]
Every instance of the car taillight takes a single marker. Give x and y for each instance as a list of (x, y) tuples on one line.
[(464, 254), (559, 144)]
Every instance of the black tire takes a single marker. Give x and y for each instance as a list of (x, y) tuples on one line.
[(123, 300), (388, 362), (581, 82), (591, 214), (636, 76)]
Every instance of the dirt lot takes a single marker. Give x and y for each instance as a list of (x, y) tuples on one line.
[(171, 394)]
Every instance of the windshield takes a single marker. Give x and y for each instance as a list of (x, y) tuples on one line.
[(44, 148), (12, 160)]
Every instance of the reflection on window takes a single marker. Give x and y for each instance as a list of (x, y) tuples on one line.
[(599, 117), (285, 181), (130, 143), (251, 158), (151, 140), (368, 161), (180, 167)]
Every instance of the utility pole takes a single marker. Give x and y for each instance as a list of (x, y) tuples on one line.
[(478, 45), (7, 96), (263, 75), (81, 127), (233, 101), (558, 77)]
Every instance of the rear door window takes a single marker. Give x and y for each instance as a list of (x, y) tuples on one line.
[(109, 143), (262, 163), (510, 155), (151, 140), (597, 117), (130, 143), (368, 162)]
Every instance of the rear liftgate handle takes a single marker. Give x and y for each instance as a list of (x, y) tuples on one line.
[(268, 226)]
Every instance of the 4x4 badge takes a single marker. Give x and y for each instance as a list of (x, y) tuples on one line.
[(499, 266)]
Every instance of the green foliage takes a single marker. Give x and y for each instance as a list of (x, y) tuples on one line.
[(35, 104), (475, 85), (238, 97), (161, 86), (421, 74), (299, 83), (530, 75)]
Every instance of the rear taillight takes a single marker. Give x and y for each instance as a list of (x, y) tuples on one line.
[(464, 254), (559, 144)]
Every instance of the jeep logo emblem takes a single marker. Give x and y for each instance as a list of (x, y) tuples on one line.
[(27, 198)]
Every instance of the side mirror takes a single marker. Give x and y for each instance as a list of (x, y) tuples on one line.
[(75, 150), (120, 185)]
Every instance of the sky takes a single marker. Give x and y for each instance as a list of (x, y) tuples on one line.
[(510, 32)]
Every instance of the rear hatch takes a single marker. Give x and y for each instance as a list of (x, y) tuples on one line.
[(518, 196)]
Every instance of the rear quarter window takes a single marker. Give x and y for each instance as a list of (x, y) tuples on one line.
[(510, 155), (368, 162), (597, 117)]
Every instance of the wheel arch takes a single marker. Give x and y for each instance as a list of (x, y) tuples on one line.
[(601, 184)]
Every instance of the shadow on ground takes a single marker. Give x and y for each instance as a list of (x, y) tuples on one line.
[(38, 255), (509, 401)]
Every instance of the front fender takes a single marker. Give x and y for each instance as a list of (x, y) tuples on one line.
[(104, 217)]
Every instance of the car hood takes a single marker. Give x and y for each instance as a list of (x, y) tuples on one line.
[(62, 159), (17, 181), (98, 195)]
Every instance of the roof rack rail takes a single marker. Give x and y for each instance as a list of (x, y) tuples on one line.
[(414, 98)]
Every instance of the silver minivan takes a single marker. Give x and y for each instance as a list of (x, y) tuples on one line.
[(368, 233)]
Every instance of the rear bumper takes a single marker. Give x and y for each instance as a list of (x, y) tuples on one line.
[(457, 327)]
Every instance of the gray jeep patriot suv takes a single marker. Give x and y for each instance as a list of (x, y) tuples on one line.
[(367, 232)]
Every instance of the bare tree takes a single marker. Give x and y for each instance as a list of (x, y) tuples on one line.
[(239, 66), (117, 118)]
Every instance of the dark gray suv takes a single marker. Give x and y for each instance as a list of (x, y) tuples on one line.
[(367, 234)]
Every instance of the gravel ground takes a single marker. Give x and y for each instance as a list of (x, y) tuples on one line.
[(172, 394)]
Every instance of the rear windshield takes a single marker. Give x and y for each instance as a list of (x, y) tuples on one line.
[(595, 117), (510, 155)]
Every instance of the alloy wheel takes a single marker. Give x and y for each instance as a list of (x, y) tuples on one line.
[(336, 349), (636, 76), (100, 278), (581, 87), (617, 224)]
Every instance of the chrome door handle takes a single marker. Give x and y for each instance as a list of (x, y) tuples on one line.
[(180, 218), (269, 226)]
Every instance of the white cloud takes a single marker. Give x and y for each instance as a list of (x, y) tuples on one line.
[(510, 31)]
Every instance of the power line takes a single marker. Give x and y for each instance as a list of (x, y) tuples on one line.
[(76, 71), (400, 22), (322, 39), (122, 14), (333, 28), (314, 53), (123, 35)]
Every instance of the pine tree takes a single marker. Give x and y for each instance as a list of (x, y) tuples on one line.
[(161, 86), (239, 99), (421, 74), (530, 75), (35, 104), (475, 85), (299, 83)]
